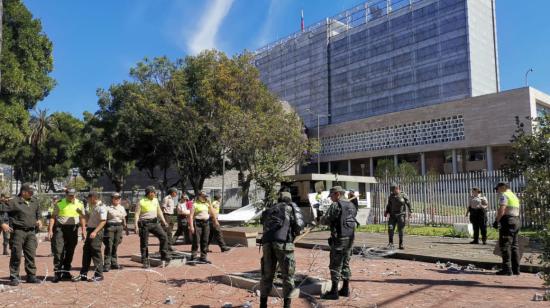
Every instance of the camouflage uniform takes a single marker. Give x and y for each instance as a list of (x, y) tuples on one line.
[(397, 207), (340, 246), (282, 253)]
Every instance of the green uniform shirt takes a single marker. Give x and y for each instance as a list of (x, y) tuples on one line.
[(398, 204), (22, 213)]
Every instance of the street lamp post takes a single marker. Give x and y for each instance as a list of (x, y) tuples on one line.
[(318, 136)]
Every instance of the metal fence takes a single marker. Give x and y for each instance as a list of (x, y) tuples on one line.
[(443, 199)]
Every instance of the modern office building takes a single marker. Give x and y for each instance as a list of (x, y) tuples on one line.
[(385, 56), (407, 80)]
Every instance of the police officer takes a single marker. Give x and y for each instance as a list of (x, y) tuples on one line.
[(24, 213), (96, 218), (168, 209), (6, 235), (340, 216), (199, 226), (215, 230), (477, 208), (183, 209), (398, 208), (508, 217), (112, 236), (149, 213), (67, 214), (282, 222)]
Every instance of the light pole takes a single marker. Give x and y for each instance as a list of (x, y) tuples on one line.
[(527, 75), (318, 136)]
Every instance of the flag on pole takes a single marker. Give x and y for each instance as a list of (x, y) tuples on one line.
[(302, 24)]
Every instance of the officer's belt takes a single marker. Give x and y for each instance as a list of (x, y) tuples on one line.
[(148, 221), (90, 228), (202, 221), (113, 224), (24, 229)]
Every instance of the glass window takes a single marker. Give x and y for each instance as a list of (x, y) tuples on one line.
[(427, 53), (427, 73), (403, 79), (402, 60), (425, 33), (458, 44), (400, 22), (428, 93), (455, 66), (403, 40)]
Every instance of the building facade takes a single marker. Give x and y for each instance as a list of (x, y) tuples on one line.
[(402, 80), (385, 56)]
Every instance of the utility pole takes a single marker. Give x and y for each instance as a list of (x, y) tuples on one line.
[(318, 135)]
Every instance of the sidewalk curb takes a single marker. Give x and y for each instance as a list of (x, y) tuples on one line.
[(430, 259)]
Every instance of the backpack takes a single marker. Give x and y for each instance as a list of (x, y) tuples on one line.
[(276, 224)]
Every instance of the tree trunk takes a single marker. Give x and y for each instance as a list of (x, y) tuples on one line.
[(245, 188)]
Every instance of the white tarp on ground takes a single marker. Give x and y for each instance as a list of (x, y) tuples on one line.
[(244, 214)]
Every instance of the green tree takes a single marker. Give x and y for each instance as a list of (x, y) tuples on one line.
[(25, 63), (530, 157), (26, 57), (40, 125), (386, 170)]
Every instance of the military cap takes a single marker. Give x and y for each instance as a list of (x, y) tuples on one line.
[(71, 191), (150, 189), (475, 188), (115, 195), (172, 190), (27, 187), (93, 193), (394, 185), (337, 189), (203, 193)]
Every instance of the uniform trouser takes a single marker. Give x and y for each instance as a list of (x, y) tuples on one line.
[(478, 218), (508, 242), (216, 235), (112, 237), (170, 221), (183, 229), (156, 230), (273, 254), (65, 239), (6, 239), (92, 251), (340, 254), (200, 237), (399, 222), (23, 243)]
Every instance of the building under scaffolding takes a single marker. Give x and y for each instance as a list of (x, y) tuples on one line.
[(385, 56)]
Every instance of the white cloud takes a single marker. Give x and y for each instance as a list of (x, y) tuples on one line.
[(209, 24), (266, 35)]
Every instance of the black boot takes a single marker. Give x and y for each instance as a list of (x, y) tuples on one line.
[(401, 244), (345, 289), (333, 293), (263, 302), (5, 253)]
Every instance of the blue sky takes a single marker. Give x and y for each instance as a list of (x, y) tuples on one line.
[(96, 42)]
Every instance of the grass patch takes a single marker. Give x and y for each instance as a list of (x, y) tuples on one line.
[(444, 231)]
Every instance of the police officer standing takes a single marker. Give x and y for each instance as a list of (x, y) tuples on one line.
[(24, 213), (112, 236), (282, 222), (215, 230), (148, 214), (199, 226), (340, 216), (508, 217), (168, 207), (96, 218), (67, 214), (477, 208), (398, 208), (6, 235)]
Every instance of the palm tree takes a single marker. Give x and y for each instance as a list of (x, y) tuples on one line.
[(41, 125)]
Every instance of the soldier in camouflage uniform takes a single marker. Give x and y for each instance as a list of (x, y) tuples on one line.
[(398, 208), (281, 223), (340, 216)]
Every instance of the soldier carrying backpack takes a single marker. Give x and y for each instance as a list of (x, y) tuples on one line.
[(340, 216), (282, 222)]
